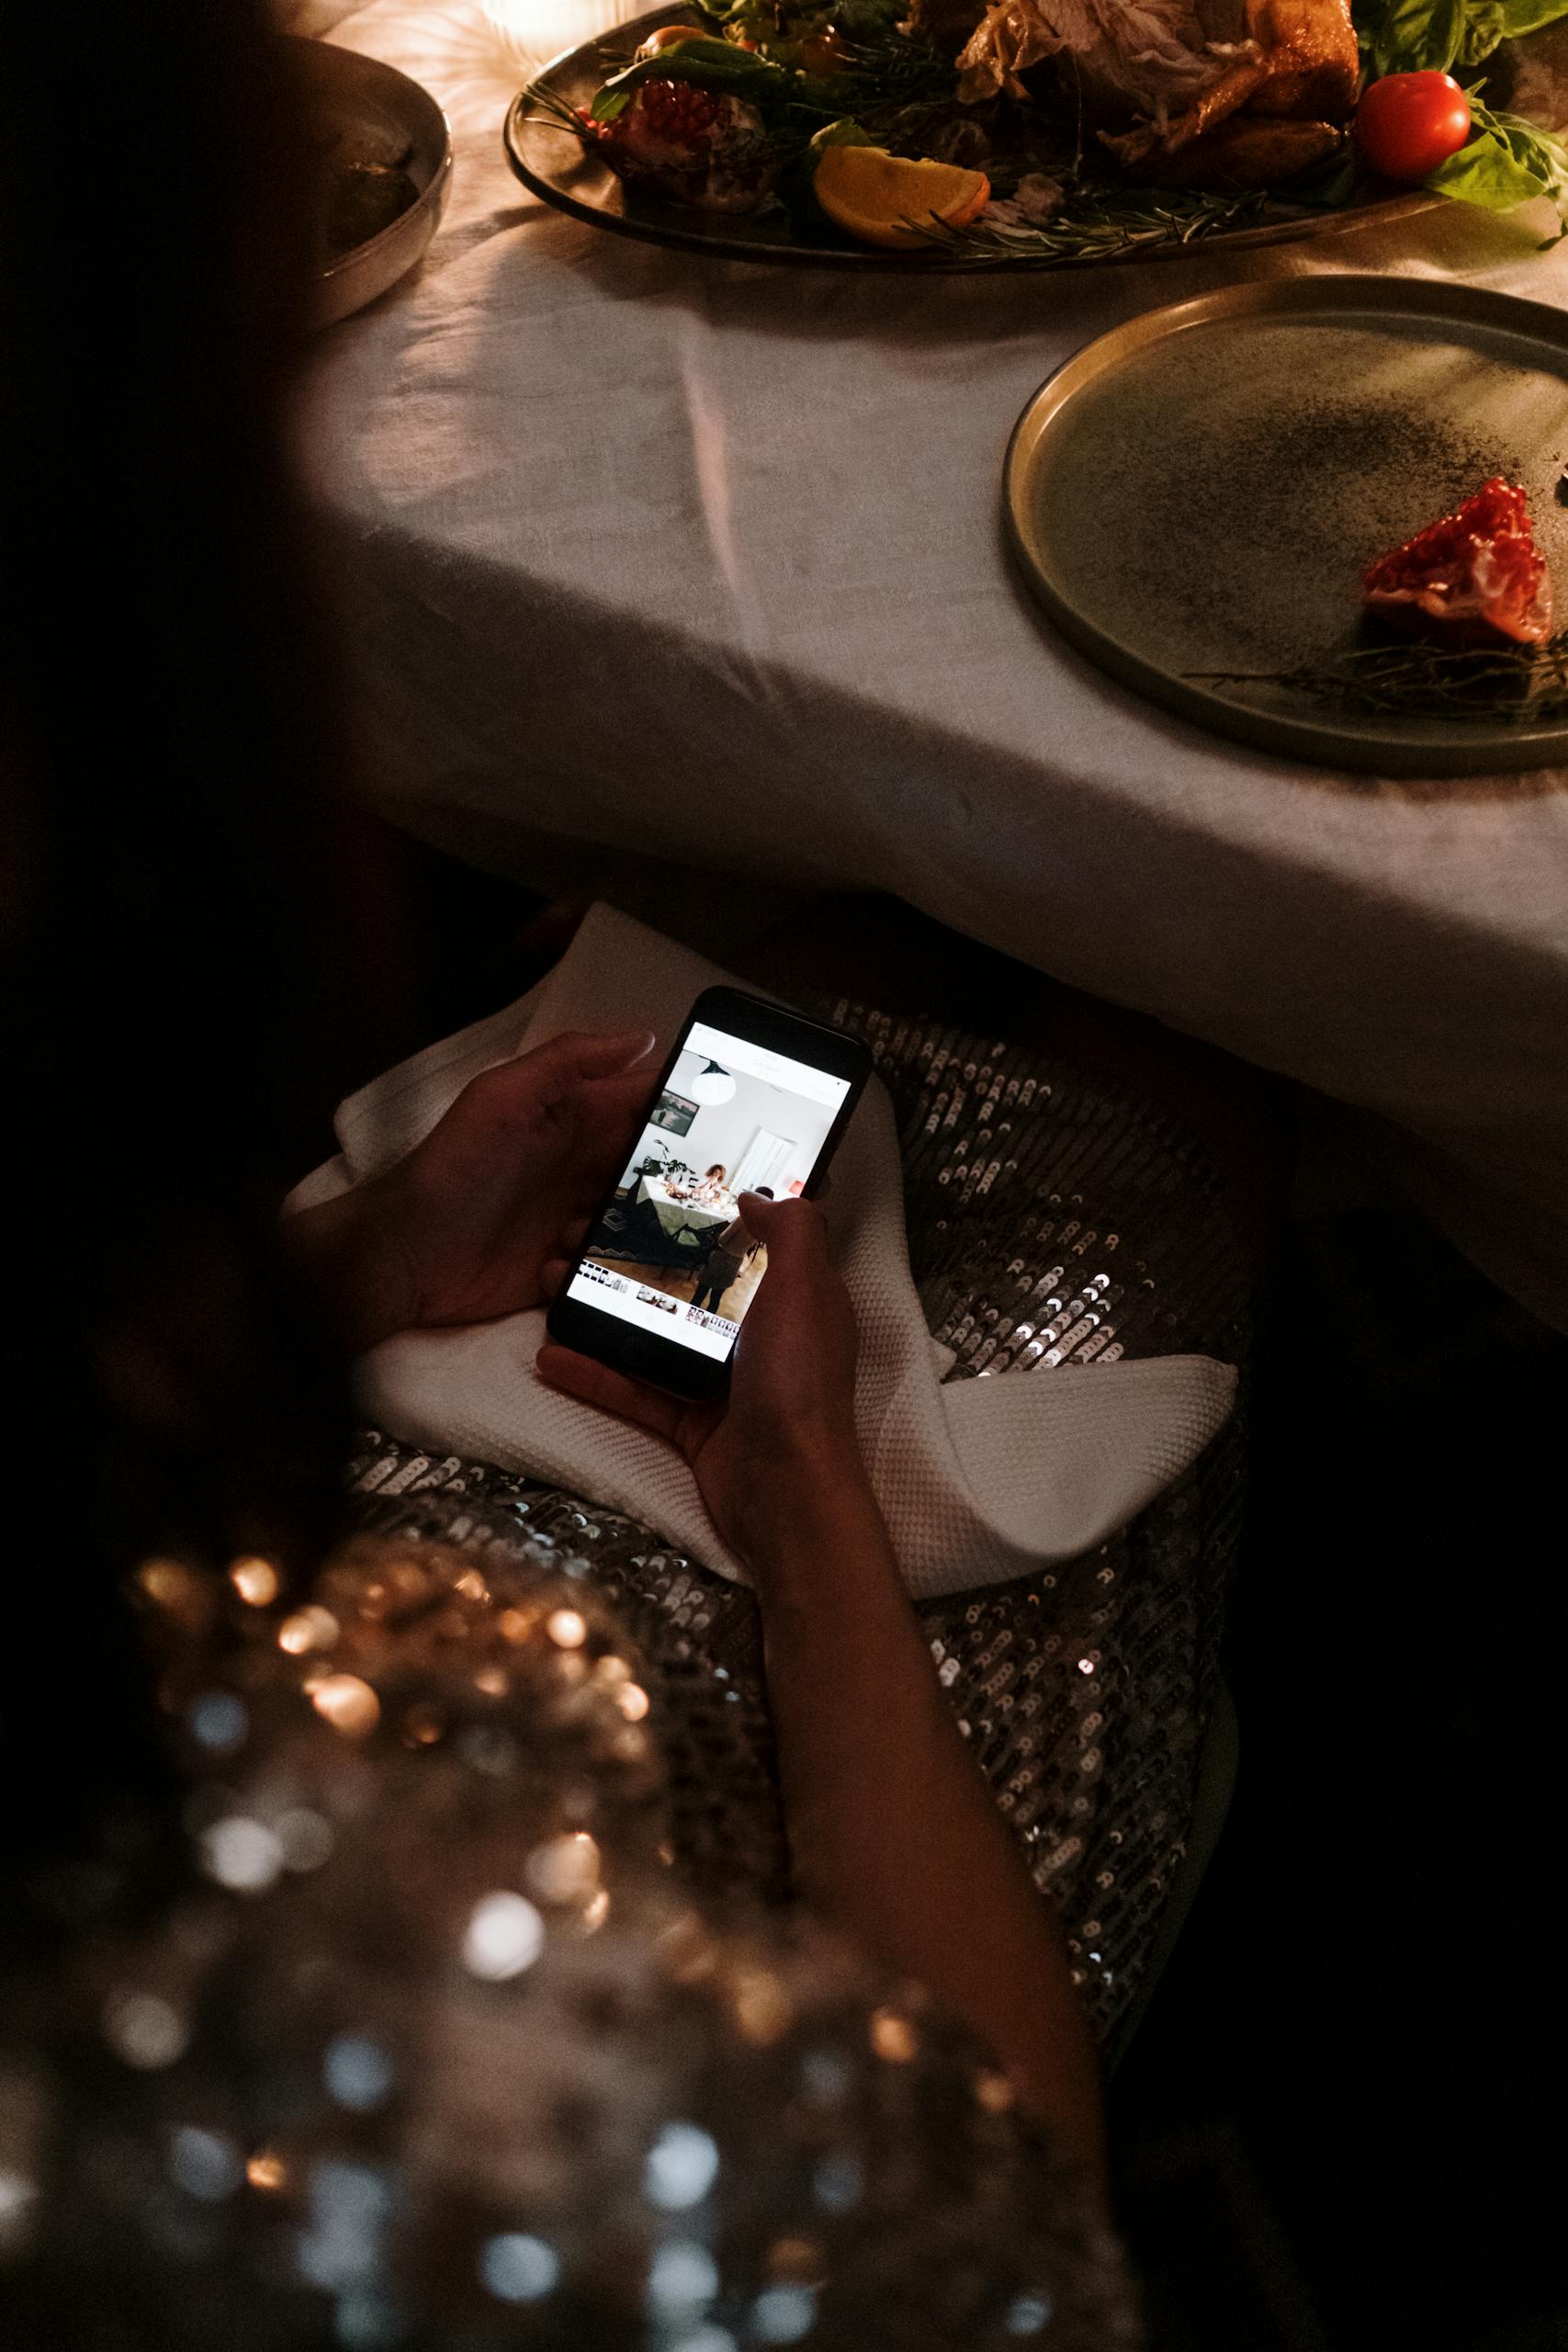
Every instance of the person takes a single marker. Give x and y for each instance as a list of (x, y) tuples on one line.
[(279, 1904), (373, 1825), (712, 1189), (737, 1247)]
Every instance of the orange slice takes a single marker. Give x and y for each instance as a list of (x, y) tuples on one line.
[(876, 196)]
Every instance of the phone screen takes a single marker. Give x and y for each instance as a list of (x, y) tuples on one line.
[(670, 1256)]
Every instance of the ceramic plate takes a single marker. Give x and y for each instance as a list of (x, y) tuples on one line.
[(374, 111), (1200, 491)]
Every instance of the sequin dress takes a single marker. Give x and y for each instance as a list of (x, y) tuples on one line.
[(433, 2051), (1052, 1219)]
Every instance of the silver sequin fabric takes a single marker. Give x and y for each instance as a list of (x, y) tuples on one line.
[(1052, 1218)]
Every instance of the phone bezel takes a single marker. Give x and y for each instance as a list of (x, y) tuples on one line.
[(665, 1363)]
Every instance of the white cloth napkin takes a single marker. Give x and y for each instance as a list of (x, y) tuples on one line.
[(979, 1480)]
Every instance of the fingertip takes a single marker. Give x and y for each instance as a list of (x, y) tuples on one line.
[(619, 1052), (772, 1212)]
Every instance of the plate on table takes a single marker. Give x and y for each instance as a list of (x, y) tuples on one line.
[(1193, 498), (560, 170), (385, 155)]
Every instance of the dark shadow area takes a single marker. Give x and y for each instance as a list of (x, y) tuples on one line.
[(1328, 2121)]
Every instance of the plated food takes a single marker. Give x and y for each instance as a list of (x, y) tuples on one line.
[(1274, 572), (1031, 131), (1472, 580)]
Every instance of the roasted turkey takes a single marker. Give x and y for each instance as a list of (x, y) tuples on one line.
[(1226, 92)]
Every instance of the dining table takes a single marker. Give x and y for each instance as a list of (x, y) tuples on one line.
[(677, 1215), (643, 556)]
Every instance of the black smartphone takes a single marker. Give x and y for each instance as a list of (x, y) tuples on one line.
[(752, 1099)]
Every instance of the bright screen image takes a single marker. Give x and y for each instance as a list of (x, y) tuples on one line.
[(671, 1253)]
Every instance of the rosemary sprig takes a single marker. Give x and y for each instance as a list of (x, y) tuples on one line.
[(1420, 680), (541, 100), (1102, 226), (896, 68)]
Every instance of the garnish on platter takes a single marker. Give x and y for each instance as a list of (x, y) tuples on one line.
[(1474, 577), (1458, 625), (882, 199), (1096, 128)]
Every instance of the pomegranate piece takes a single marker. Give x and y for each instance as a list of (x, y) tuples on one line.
[(693, 146), (1471, 578)]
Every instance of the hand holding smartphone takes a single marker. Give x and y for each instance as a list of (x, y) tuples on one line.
[(752, 1099)]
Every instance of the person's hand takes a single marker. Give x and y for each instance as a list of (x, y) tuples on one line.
[(460, 1230), (786, 1431)]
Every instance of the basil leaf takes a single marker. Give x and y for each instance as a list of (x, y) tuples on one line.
[(1506, 161), (1434, 36), (710, 64)]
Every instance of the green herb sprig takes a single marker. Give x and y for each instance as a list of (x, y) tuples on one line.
[(1104, 227), (1420, 681)]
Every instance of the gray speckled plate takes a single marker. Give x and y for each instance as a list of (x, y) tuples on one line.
[(1201, 490)]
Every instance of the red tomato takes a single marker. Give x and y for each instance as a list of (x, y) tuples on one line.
[(1408, 123)]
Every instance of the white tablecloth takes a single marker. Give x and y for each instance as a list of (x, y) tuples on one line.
[(676, 1215), (705, 561)]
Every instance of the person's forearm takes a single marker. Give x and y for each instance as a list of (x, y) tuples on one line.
[(894, 1832)]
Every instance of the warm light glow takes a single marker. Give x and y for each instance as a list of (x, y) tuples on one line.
[(348, 1705), (266, 2170), (516, 1624), (633, 1701), (565, 1869), (471, 1585), (492, 1681), (536, 31), (308, 1629), (163, 1581), (256, 1581), (993, 2091), (597, 1912), (566, 1629), (761, 2005), (892, 2037), (423, 1726), (799, 2259)]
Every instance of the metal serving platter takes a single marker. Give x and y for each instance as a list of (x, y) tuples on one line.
[(1199, 491), (555, 166)]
